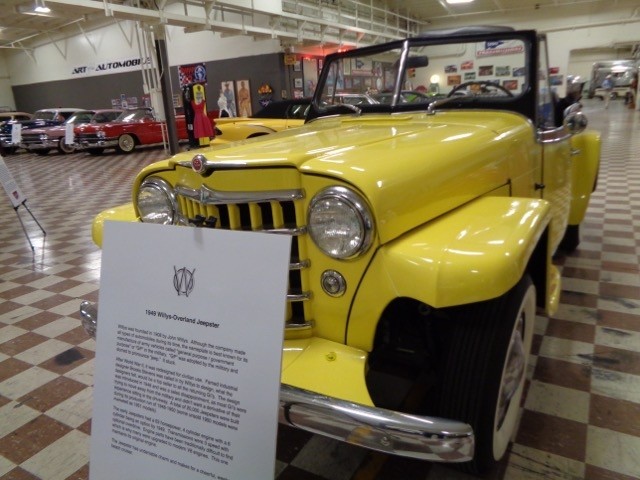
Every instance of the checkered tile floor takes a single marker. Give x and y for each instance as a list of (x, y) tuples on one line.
[(581, 418)]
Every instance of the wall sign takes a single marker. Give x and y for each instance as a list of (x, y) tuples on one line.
[(188, 353)]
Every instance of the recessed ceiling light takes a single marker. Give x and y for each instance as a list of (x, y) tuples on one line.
[(453, 2)]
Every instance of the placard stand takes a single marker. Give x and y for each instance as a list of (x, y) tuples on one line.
[(17, 198), (24, 204)]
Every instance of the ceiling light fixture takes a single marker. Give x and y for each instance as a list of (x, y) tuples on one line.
[(453, 2), (41, 7)]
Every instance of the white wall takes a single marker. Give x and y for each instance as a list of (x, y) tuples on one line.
[(58, 61), (6, 95)]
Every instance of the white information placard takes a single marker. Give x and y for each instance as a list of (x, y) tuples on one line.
[(69, 136), (189, 344), (16, 133), (10, 186)]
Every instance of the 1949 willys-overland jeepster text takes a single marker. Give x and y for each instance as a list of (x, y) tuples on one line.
[(423, 237)]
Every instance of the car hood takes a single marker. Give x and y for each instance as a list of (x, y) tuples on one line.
[(53, 130), (410, 168), (28, 124)]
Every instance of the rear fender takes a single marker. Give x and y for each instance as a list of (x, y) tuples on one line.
[(475, 253)]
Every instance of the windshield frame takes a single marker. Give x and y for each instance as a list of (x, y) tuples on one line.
[(524, 102)]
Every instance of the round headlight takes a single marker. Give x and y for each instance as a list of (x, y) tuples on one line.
[(340, 223), (156, 202)]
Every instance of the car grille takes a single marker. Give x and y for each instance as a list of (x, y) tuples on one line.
[(277, 211), (86, 136), (30, 138)]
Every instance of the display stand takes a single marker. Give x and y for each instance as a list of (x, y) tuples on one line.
[(17, 198), (24, 229)]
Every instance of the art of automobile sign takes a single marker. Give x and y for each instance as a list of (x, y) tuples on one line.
[(112, 66)]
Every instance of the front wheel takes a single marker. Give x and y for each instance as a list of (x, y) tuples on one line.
[(126, 143), (65, 148), (485, 369), (571, 238)]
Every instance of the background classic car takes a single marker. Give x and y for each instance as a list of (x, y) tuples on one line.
[(423, 241), (275, 117), (42, 140), (45, 117), (134, 127)]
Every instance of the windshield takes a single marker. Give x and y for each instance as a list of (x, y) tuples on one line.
[(44, 115), (135, 116), (419, 71), (80, 117)]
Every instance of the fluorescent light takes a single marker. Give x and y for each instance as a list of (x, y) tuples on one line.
[(41, 7), (453, 2)]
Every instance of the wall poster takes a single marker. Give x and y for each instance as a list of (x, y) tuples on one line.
[(244, 98)]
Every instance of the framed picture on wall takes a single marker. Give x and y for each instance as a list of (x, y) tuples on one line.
[(244, 98), (297, 82), (227, 94)]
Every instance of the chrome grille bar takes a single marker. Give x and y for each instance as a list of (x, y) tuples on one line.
[(208, 196), (270, 211)]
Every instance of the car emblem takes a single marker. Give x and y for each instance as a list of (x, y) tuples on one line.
[(199, 163), (183, 280)]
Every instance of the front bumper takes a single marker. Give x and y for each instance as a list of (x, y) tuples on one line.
[(40, 145), (86, 144), (396, 433)]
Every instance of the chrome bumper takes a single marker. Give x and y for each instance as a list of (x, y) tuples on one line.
[(396, 433), (86, 144)]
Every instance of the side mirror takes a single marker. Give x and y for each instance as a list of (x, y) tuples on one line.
[(575, 122)]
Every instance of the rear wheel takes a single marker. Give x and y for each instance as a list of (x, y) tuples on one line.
[(485, 368), (65, 148), (126, 143)]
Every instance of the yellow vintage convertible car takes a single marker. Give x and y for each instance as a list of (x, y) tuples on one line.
[(276, 116), (423, 237)]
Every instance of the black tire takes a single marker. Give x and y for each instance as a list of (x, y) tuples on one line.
[(126, 143), (571, 238), (65, 148), (8, 150), (95, 151), (487, 338), (42, 151)]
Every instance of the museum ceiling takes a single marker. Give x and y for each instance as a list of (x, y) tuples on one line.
[(294, 22)]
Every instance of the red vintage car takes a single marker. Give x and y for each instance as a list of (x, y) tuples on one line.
[(134, 127), (42, 140)]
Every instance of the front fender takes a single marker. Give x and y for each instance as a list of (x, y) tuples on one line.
[(123, 213), (475, 253), (585, 164)]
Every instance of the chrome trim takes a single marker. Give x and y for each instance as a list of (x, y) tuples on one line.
[(302, 264), (298, 326), (165, 187), (296, 232), (89, 313), (552, 136), (397, 433), (358, 204), (298, 297), (208, 196)]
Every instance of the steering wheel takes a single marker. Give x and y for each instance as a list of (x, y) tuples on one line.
[(482, 85)]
